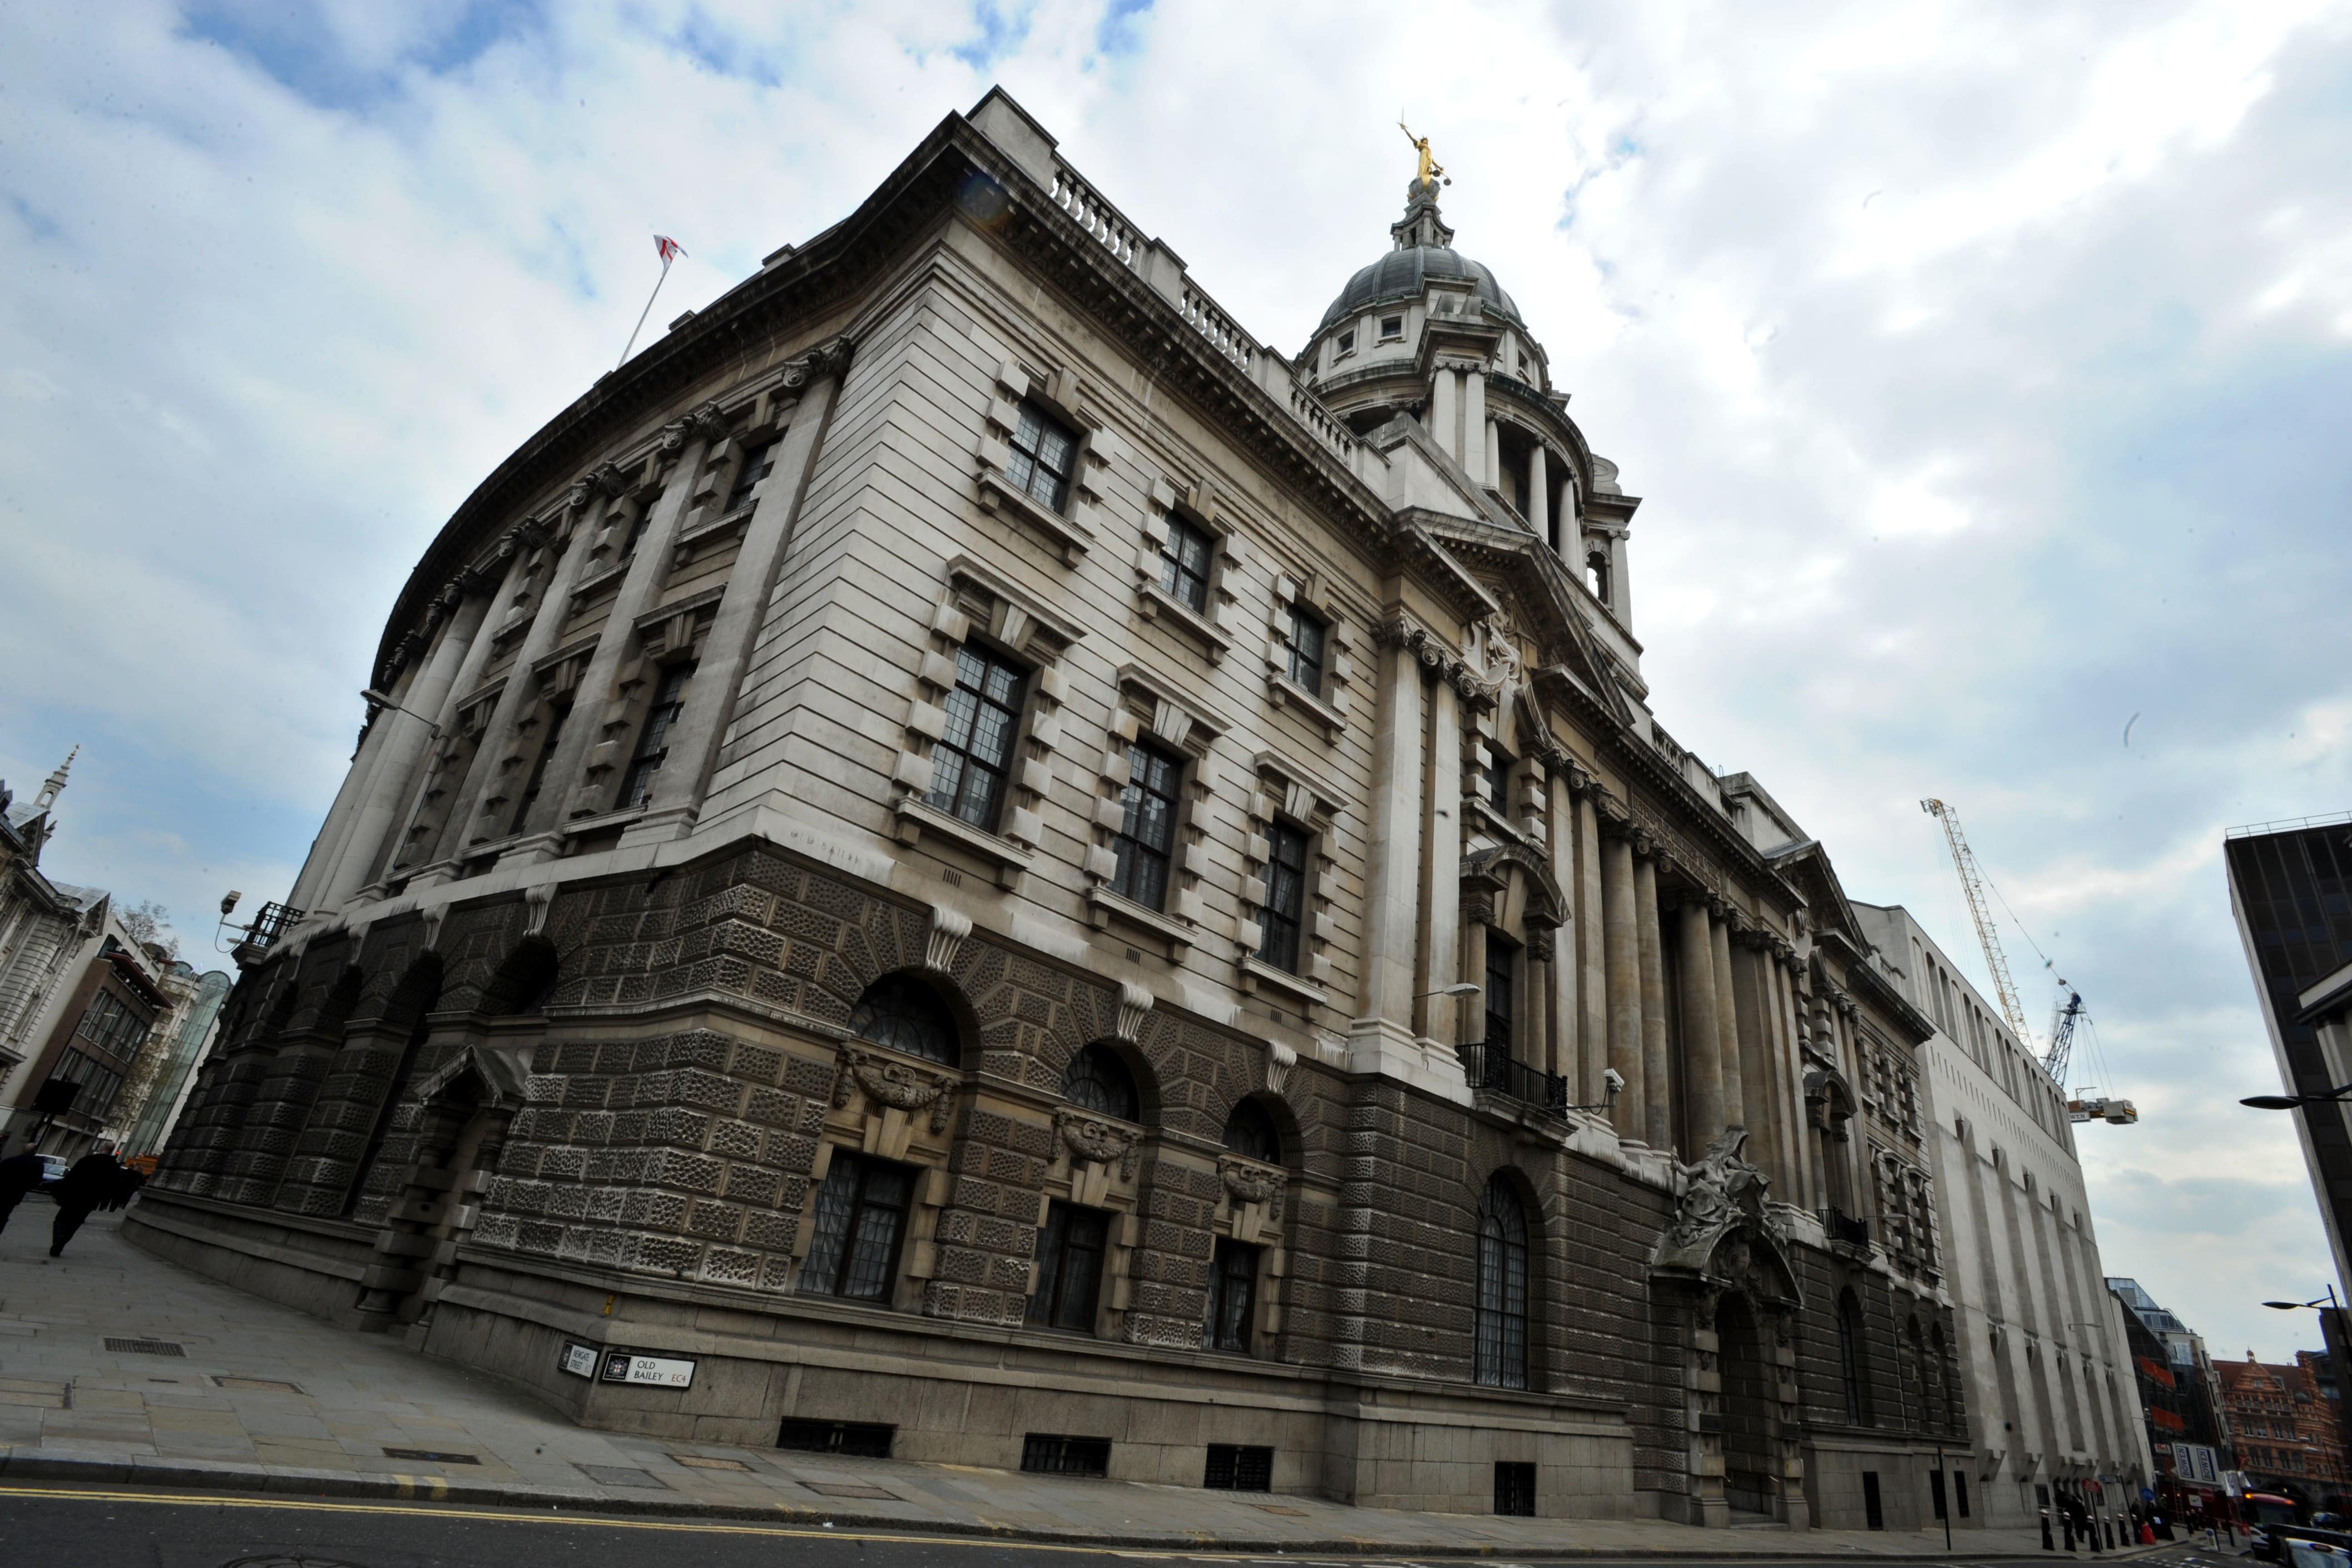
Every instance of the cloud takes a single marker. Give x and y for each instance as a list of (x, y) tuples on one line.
[(1981, 366)]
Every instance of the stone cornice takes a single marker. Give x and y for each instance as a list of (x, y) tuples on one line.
[(827, 275)]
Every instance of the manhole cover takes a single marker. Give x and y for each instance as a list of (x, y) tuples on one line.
[(846, 1489), (622, 1476), (431, 1456), (254, 1384), (143, 1347), (695, 1461)]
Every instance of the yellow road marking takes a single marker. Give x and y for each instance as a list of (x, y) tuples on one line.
[(594, 1521)]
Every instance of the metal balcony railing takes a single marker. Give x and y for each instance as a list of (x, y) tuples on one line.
[(1843, 1227), (1498, 1072)]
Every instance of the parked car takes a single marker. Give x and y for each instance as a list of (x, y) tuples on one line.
[(53, 1167)]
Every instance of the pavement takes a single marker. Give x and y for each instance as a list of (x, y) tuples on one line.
[(262, 1398)]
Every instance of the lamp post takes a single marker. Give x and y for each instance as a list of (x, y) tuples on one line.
[(2334, 1096)]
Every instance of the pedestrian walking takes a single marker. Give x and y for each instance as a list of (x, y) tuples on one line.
[(19, 1173), (94, 1180)]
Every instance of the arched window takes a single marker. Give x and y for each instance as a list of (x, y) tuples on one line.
[(1502, 1308), (1853, 1363), (1098, 1080), (1249, 1131), (903, 1013)]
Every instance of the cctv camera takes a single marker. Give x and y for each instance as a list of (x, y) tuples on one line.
[(1615, 1079), (229, 904)]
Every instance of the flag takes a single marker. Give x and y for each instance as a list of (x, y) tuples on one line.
[(670, 249)]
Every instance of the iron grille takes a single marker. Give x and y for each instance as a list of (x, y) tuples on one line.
[(143, 1347), (858, 1439), (1239, 1467), (1047, 1454), (1497, 1072), (270, 925), (1844, 1227), (1515, 1489)]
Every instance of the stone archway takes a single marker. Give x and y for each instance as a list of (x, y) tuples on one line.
[(1723, 1268), (467, 1106)]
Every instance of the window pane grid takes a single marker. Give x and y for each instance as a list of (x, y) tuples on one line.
[(983, 722), (1040, 467), (860, 1215), (1184, 565), (1286, 896), (1069, 1272), (1307, 651), (653, 743), (755, 466), (1146, 840), (1500, 1340), (1233, 1289)]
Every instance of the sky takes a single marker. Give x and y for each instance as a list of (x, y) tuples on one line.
[(1984, 368)]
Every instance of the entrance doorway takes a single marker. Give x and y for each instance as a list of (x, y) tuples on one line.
[(1748, 1422)]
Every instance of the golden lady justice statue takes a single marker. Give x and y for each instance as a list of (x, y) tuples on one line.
[(1431, 171)]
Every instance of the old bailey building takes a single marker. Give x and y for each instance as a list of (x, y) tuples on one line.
[(960, 859)]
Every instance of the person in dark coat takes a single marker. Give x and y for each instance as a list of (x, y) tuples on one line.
[(19, 1173), (93, 1181)]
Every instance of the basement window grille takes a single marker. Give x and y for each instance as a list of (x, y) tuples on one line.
[(1047, 1454), (143, 1347), (1238, 1467), (857, 1439), (1515, 1489)]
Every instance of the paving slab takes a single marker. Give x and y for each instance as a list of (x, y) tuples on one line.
[(264, 1399)]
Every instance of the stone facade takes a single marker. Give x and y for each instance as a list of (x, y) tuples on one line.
[(970, 850)]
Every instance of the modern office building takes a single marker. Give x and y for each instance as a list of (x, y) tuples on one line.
[(961, 858), (2291, 890), (2188, 1433), (2055, 1409)]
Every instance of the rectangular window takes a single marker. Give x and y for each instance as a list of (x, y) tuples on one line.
[(652, 741), (1050, 1454), (97, 1086), (539, 767), (1286, 896), (1960, 1491), (1147, 836), (1515, 1489), (1236, 1466), (1304, 647), (1043, 450), (1502, 964), (1348, 342), (974, 756), (861, 1213), (637, 526), (1936, 1492), (1184, 565), (755, 466), (1232, 1293), (1391, 328), (1499, 782), (1069, 1267)]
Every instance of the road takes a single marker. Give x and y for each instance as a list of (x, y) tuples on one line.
[(73, 1527)]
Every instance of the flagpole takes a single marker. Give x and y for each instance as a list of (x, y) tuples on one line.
[(645, 312)]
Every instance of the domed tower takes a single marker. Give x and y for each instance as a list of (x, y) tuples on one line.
[(1428, 333)]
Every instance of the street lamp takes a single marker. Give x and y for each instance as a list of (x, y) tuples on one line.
[(2327, 1301), (1459, 988), (2293, 1102)]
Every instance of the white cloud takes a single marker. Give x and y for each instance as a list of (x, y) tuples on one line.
[(1982, 367)]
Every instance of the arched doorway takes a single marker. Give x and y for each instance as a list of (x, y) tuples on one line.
[(1750, 1420)]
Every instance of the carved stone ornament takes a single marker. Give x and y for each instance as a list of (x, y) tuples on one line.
[(826, 360), (1279, 1060), (1134, 1007), (1724, 1237), (948, 928), (1093, 1141), (899, 1085), (1246, 1181), (433, 918), (1447, 663)]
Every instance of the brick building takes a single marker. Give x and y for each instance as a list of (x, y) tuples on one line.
[(961, 858), (2285, 1433)]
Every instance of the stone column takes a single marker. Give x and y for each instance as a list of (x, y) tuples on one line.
[(1591, 955), (1474, 426), (1446, 408), (1703, 1095), (1475, 915), (1618, 914), (1756, 1076), (1442, 865), (558, 801), (409, 732), (1567, 534), (1560, 970), (1658, 1110), (1545, 1047), (1621, 581), (1494, 467), (497, 733), (1726, 1023), (1795, 1142), (1539, 493), (695, 739), (1392, 880)]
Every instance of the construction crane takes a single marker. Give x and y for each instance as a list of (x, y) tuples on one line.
[(2122, 1113)]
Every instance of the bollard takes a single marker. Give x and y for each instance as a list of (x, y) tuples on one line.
[(2046, 1546)]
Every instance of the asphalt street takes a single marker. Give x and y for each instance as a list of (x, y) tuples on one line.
[(69, 1527)]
